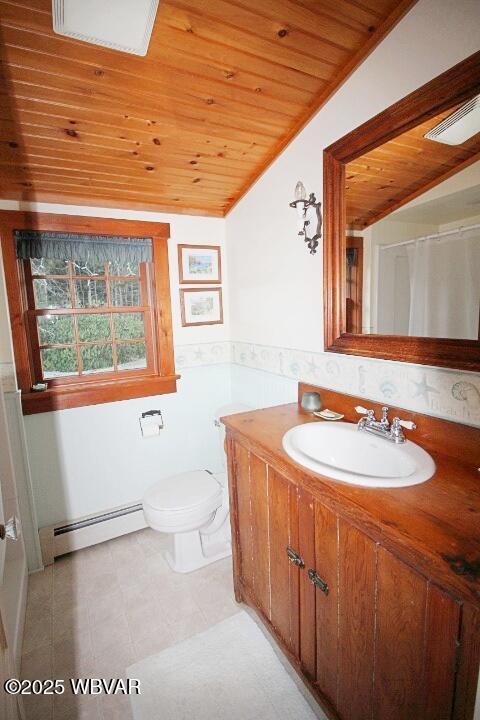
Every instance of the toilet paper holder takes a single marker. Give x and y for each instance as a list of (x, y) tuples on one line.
[(151, 422), (152, 413)]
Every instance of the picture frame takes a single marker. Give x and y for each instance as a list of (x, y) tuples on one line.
[(199, 264), (201, 306)]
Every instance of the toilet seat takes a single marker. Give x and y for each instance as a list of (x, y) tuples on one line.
[(184, 492), (182, 502)]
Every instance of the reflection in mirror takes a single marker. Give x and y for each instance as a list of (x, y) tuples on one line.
[(413, 245)]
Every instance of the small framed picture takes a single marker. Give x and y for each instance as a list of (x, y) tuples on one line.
[(201, 306), (199, 264)]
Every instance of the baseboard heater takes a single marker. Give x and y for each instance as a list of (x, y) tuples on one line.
[(67, 537)]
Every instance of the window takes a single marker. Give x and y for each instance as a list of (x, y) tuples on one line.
[(93, 299)]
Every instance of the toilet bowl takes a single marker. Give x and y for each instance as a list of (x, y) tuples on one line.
[(193, 509)]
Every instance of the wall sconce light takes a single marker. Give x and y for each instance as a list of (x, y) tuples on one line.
[(301, 204)]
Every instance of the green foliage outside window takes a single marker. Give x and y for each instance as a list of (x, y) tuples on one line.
[(58, 329)]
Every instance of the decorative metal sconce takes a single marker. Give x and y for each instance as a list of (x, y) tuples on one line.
[(301, 204)]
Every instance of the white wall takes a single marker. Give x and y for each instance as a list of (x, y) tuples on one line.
[(464, 222), (276, 286), (90, 459)]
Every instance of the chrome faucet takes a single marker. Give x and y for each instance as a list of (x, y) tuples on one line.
[(382, 427)]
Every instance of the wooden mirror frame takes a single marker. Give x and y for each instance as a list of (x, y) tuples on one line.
[(454, 86)]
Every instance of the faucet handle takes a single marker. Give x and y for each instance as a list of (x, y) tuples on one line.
[(396, 429), (408, 424), (361, 410), (368, 416)]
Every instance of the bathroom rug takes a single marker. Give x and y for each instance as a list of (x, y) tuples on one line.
[(228, 672)]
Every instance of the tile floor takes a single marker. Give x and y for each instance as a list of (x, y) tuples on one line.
[(95, 612)]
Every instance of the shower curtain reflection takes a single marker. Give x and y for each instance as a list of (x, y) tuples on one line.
[(445, 285)]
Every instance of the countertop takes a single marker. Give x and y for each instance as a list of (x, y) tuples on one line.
[(434, 526)]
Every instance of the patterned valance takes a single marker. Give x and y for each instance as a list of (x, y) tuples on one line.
[(82, 248)]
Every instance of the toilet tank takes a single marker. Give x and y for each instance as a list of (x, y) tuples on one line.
[(231, 409)]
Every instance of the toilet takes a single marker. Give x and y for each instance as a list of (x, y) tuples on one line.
[(193, 508)]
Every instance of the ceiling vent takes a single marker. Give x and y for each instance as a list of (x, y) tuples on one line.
[(458, 127), (124, 25)]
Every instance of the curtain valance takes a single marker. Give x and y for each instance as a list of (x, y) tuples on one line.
[(82, 248)]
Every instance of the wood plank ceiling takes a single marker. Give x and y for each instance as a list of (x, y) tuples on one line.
[(400, 170), (225, 86)]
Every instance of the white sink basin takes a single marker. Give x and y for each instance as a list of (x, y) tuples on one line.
[(342, 452)]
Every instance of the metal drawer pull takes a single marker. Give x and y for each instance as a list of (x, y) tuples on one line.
[(317, 581), (295, 558)]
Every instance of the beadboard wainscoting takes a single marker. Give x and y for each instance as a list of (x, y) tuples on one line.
[(91, 459)]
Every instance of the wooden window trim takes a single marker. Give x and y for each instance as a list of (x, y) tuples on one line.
[(145, 307), (98, 388)]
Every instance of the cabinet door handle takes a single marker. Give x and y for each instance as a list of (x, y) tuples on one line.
[(295, 558), (317, 581)]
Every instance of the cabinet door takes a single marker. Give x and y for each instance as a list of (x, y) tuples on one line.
[(416, 644), (326, 601), (240, 511), (356, 623), (284, 574), (250, 497), (270, 517), (387, 638)]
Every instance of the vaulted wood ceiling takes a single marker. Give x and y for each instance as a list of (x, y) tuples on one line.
[(225, 85), (400, 170)]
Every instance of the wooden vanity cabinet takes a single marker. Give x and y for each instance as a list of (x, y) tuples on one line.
[(373, 638)]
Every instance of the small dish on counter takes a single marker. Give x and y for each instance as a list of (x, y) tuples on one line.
[(328, 415)]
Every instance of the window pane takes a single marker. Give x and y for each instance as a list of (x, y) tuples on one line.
[(90, 293), (55, 329), (96, 358), (42, 266), (93, 327), (125, 293), (52, 294), (88, 268), (58, 362), (122, 267), (131, 356), (129, 325)]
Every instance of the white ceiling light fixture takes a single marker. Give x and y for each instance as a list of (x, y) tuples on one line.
[(458, 127), (124, 25)]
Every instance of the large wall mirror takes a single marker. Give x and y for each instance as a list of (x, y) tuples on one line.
[(402, 228)]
